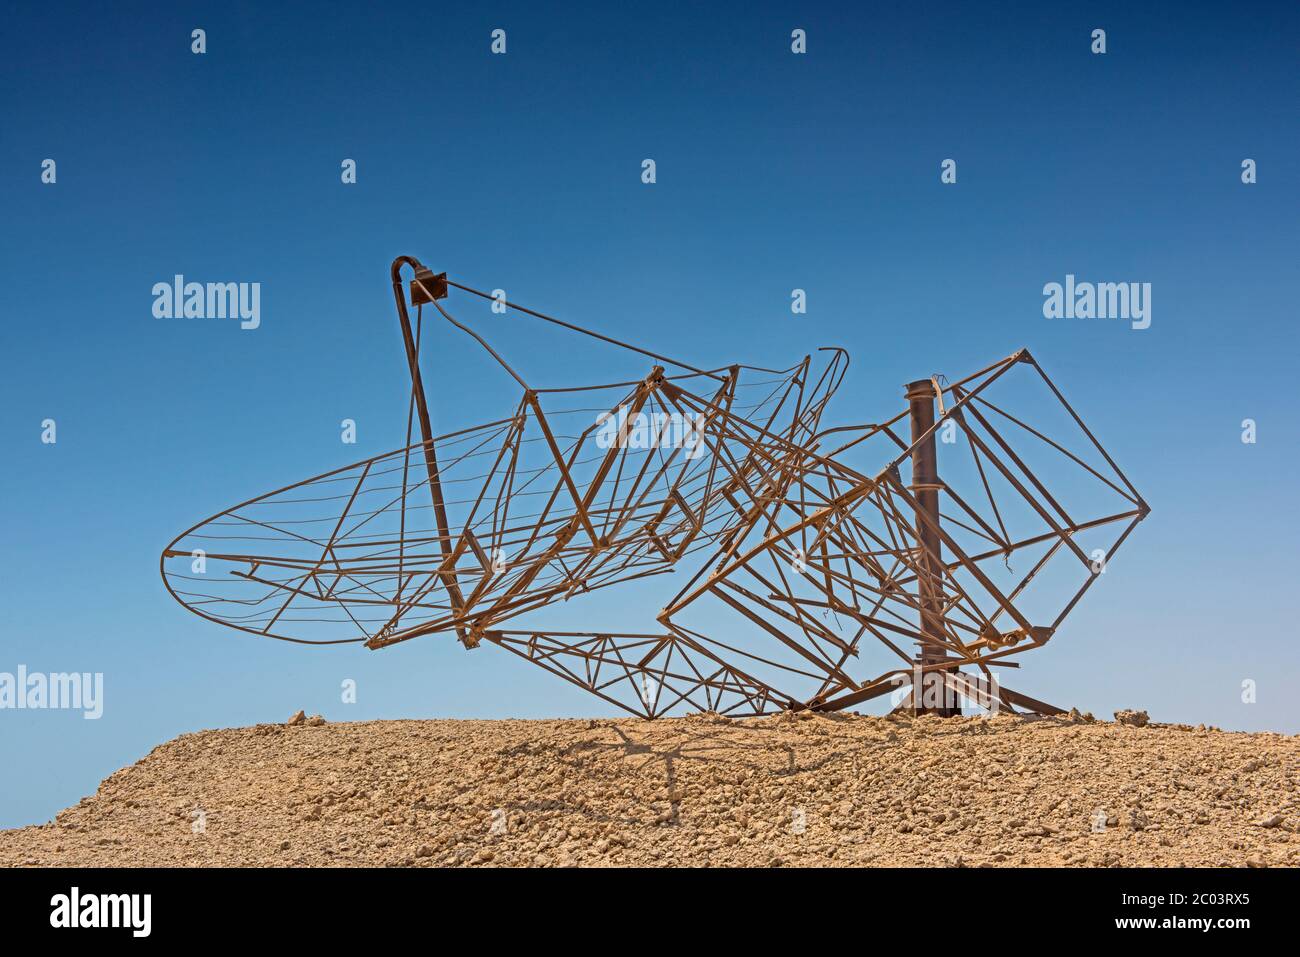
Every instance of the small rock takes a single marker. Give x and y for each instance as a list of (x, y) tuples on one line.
[(1255, 861), (315, 721), (1273, 821), (298, 718), (424, 850), (1137, 719)]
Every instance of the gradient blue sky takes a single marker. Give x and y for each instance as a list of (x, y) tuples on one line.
[(522, 171)]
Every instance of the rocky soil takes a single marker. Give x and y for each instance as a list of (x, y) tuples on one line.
[(794, 790)]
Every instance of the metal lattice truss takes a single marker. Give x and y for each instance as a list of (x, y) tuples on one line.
[(807, 549)]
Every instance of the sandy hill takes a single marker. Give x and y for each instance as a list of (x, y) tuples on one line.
[(793, 790)]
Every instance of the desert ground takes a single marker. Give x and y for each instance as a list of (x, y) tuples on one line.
[(790, 790)]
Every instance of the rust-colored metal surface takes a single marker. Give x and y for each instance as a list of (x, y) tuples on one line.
[(940, 544)]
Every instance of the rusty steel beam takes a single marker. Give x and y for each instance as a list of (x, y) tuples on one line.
[(921, 396)]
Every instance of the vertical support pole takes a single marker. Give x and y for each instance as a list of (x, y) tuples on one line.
[(921, 396), (426, 431)]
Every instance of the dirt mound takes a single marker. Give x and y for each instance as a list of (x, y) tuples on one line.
[(794, 790)]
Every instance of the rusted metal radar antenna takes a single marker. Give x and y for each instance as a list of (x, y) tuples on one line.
[(819, 547)]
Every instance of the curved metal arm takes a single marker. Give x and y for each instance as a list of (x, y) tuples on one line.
[(426, 432)]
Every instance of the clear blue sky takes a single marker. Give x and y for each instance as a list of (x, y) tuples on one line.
[(522, 171)]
